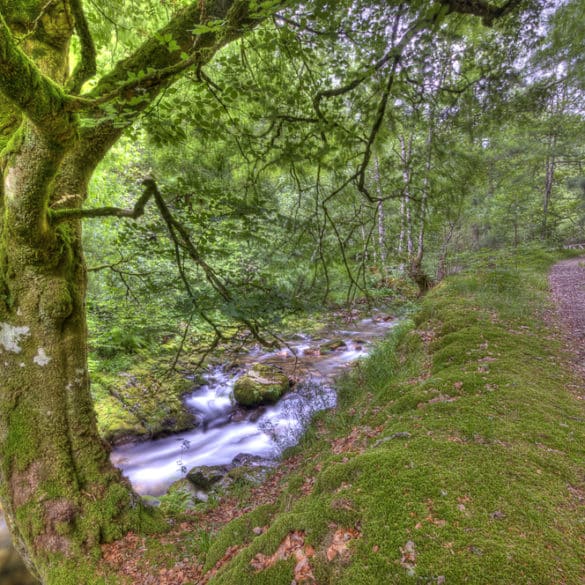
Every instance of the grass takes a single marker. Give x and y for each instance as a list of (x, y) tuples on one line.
[(460, 435)]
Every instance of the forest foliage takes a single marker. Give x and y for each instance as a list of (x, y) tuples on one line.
[(235, 164)]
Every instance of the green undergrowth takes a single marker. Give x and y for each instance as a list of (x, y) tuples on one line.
[(456, 454)]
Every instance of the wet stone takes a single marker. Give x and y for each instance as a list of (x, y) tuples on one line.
[(333, 345), (262, 384), (251, 460), (205, 476)]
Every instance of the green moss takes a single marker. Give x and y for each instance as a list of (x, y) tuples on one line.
[(30, 516), (141, 402), (66, 572), (237, 532), (262, 384), (22, 445)]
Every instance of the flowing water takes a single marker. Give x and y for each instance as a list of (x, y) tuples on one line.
[(226, 430)]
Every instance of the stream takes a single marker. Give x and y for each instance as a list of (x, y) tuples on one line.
[(225, 430)]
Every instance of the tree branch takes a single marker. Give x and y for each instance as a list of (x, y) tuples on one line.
[(86, 68), (153, 67), (181, 239), (171, 50), (60, 215), (393, 54), (486, 10), (37, 96)]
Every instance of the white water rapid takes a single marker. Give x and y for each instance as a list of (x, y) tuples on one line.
[(226, 430)]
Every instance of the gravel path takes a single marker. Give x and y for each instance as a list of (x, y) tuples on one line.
[(567, 283)]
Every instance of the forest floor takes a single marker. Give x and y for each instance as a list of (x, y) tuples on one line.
[(456, 455)]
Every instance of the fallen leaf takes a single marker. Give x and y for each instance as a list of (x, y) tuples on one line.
[(408, 559), (294, 546), (339, 544)]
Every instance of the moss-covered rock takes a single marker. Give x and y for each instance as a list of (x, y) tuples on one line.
[(333, 345), (205, 477), (260, 385), (140, 404)]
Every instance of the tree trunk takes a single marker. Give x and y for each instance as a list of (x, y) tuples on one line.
[(416, 271), (548, 186), (381, 224), (405, 156), (60, 493)]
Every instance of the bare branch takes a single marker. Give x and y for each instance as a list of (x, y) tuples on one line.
[(60, 215), (394, 53), (181, 239), (106, 266)]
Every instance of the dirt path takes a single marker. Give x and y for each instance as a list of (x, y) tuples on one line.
[(567, 283)]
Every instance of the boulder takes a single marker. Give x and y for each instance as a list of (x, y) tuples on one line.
[(247, 475), (332, 345), (205, 477), (251, 460), (262, 384)]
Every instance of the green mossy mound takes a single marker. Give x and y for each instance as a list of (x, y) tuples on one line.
[(262, 384), (141, 403)]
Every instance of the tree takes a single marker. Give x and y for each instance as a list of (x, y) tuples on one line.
[(61, 495)]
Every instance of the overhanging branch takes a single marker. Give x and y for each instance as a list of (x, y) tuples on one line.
[(486, 10), (61, 215)]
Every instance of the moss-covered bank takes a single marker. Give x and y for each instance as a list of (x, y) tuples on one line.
[(456, 456), (141, 403)]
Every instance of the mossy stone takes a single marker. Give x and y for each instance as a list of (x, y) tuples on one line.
[(206, 476), (332, 345), (261, 385)]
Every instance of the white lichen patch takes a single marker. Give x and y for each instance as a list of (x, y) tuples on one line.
[(10, 183), (10, 337), (41, 359)]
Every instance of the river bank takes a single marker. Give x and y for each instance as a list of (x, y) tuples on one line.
[(221, 431), (225, 430)]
